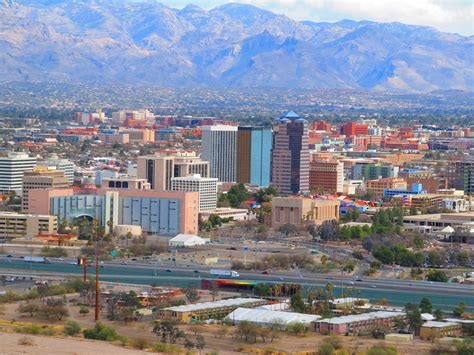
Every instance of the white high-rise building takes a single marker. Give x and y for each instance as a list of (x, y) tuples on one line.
[(61, 164), (206, 187), (12, 168), (219, 148)]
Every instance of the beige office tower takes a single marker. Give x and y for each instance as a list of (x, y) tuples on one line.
[(41, 177), (160, 168)]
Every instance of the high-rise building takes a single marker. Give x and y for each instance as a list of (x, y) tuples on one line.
[(219, 144), (206, 187), (290, 155), (60, 164), (254, 145), (12, 168), (158, 169), (326, 175), (461, 175), (41, 177)]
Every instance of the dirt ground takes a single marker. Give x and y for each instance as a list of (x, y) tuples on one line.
[(142, 330), (59, 346)]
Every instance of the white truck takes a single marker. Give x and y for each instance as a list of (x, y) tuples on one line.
[(228, 273), (36, 259)]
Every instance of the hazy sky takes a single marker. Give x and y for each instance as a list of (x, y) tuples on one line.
[(445, 15)]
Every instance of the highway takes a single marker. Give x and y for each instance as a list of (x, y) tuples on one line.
[(397, 292)]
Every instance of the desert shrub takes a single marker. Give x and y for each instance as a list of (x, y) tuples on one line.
[(26, 341), (382, 350), (326, 349), (72, 328), (166, 348), (102, 332), (139, 343)]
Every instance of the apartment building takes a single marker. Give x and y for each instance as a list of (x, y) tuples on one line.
[(206, 188), (41, 177)]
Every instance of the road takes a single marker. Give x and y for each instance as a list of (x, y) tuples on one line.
[(397, 292)]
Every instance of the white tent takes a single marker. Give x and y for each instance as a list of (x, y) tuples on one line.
[(269, 318), (186, 240)]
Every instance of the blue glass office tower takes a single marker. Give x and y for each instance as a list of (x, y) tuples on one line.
[(254, 145)]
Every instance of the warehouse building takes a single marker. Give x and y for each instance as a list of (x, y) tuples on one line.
[(207, 310)]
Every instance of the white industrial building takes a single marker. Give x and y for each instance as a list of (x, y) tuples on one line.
[(270, 318), (187, 240), (12, 168), (206, 187)]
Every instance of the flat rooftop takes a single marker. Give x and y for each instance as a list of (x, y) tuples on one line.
[(361, 317), (217, 304)]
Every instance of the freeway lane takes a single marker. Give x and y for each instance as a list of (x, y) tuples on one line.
[(397, 292)]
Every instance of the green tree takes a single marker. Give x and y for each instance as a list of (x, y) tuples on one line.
[(459, 309), (288, 229), (438, 314), (297, 304), (191, 294), (413, 317), (200, 342), (425, 305), (437, 276)]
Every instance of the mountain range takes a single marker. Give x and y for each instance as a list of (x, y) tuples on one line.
[(233, 45)]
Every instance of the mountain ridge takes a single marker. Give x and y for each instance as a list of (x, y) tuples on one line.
[(232, 45)]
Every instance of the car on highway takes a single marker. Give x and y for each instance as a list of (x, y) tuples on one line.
[(9, 256), (264, 272), (168, 270), (373, 286), (123, 262), (359, 279), (197, 271), (350, 283)]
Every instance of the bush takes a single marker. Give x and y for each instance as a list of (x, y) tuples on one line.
[(83, 310), (326, 349), (437, 276), (53, 252), (166, 348), (102, 332), (382, 350), (36, 329), (72, 328), (139, 343), (26, 341)]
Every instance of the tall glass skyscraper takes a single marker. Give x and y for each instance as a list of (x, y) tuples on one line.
[(290, 154), (254, 146)]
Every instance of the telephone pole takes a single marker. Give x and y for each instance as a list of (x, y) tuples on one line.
[(94, 225)]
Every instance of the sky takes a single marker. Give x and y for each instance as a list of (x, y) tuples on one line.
[(446, 15)]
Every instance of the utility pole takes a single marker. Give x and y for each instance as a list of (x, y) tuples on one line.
[(94, 225)]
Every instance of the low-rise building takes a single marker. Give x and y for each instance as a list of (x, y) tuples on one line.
[(207, 310), (379, 186), (299, 210), (17, 225), (435, 330), (358, 323)]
